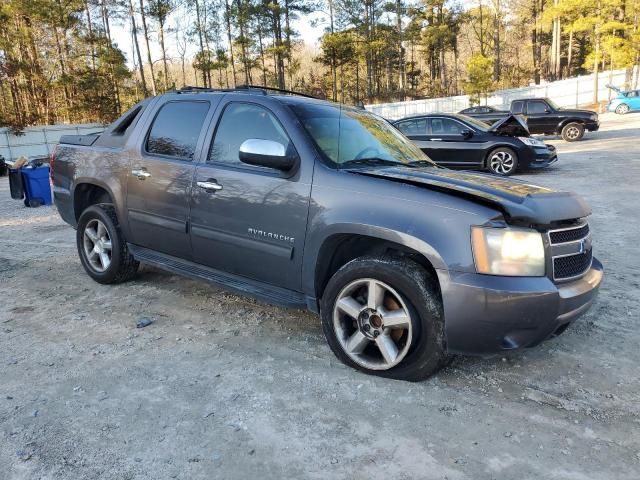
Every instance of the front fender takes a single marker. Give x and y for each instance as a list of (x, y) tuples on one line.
[(434, 224), (563, 123)]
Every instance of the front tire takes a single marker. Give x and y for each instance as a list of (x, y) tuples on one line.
[(383, 316), (572, 132), (502, 161), (622, 109), (102, 247)]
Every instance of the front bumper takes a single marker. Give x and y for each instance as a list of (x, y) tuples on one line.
[(487, 314), (543, 157), (592, 125)]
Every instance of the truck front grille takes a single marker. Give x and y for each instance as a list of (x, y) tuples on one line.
[(571, 252), (571, 235), (572, 265)]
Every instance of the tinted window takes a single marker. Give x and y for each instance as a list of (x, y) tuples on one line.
[(176, 129), (445, 126), (635, 93), (240, 122), (127, 120), (517, 107), (413, 127), (536, 107)]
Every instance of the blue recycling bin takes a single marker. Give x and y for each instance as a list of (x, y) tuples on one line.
[(37, 189)]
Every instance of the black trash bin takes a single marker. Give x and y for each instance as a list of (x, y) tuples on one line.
[(16, 185), (3, 167)]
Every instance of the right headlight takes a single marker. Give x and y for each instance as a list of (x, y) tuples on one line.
[(508, 251), (534, 142)]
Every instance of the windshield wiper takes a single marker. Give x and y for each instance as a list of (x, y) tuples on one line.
[(372, 161), (422, 163)]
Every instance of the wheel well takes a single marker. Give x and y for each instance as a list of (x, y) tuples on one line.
[(341, 249), (87, 194), (571, 120)]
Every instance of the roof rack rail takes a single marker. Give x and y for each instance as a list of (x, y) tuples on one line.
[(190, 88), (273, 89), (242, 88)]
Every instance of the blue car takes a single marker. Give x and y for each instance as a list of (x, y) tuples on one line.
[(624, 102)]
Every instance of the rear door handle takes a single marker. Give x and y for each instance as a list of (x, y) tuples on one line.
[(210, 185), (140, 173)]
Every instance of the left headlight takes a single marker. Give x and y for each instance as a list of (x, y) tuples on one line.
[(508, 251), (534, 142)]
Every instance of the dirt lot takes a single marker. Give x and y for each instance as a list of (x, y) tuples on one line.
[(221, 386)]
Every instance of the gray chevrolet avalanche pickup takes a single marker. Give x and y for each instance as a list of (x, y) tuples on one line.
[(311, 204)]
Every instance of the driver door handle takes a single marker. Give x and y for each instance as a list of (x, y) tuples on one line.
[(210, 185)]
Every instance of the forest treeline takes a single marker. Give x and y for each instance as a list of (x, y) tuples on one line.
[(60, 62)]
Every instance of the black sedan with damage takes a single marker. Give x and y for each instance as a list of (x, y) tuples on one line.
[(458, 141)]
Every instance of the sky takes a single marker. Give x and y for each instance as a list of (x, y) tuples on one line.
[(309, 27)]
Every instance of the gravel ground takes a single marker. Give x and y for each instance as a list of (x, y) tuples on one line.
[(221, 386)]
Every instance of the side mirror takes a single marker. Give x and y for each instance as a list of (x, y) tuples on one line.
[(265, 153), (467, 134)]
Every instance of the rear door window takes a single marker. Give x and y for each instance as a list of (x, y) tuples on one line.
[(416, 126), (517, 107), (176, 129)]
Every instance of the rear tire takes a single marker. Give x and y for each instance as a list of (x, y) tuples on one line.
[(572, 132), (502, 161), (102, 247), (622, 109), (402, 337)]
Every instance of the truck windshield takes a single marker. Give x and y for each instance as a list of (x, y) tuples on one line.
[(348, 136), (552, 104), (477, 124)]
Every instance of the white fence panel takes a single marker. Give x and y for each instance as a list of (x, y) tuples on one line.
[(571, 92), (39, 141)]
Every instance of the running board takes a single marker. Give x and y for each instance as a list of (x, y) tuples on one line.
[(244, 286)]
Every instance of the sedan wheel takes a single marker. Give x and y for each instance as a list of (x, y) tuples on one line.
[(372, 324), (622, 109), (502, 162), (97, 245)]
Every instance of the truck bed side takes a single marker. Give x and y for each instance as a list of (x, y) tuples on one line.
[(94, 167)]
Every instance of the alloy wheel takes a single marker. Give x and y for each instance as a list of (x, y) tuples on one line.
[(622, 109), (372, 324), (97, 245), (573, 133), (502, 163)]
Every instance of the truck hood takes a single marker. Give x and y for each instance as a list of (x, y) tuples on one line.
[(520, 202), (511, 125), (578, 111)]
